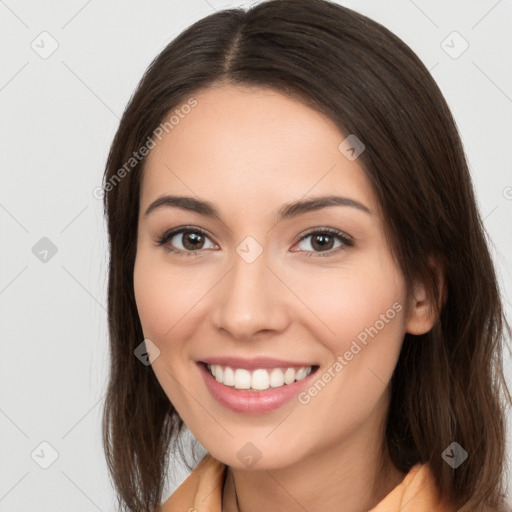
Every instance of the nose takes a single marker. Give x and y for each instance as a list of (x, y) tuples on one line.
[(250, 300)]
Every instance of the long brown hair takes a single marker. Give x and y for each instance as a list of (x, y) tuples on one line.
[(448, 383)]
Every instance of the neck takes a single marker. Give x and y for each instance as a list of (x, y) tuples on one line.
[(348, 474)]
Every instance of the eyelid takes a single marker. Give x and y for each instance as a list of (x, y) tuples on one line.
[(332, 231)]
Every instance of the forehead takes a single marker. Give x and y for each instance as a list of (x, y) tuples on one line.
[(252, 141)]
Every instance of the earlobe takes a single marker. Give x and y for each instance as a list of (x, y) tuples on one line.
[(422, 314), (420, 317)]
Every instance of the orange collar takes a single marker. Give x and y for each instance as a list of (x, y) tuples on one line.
[(203, 489)]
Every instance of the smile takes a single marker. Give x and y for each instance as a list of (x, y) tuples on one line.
[(255, 390), (259, 379)]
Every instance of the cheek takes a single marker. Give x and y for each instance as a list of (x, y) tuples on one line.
[(167, 296), (165, 303), (364, 307), (157, 295), (151, 295), (352, 390), (353, 299)]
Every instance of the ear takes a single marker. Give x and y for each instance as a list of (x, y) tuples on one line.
[(421, 314)]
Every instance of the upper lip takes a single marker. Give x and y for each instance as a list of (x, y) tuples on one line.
[(255, 363)]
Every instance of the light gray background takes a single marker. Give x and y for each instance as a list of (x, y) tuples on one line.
[(58, 117)]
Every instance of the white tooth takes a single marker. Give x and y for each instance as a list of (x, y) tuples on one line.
[(260, 380), (301, 373), (242, 379), (218, 373), (228, 377), (289, 376), (276, 378)]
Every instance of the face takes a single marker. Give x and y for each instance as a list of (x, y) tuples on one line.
[(262, 286)]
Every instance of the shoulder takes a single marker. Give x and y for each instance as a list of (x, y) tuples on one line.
[(202, 489), (416, 493)]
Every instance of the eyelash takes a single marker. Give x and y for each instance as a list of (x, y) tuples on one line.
[(345, 239)]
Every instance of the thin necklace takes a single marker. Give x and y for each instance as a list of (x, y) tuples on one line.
[(234, 489)]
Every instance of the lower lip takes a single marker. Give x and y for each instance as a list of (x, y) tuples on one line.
[(252, 402)]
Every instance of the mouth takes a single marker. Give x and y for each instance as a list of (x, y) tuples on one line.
[(253, 390), (258, 379)]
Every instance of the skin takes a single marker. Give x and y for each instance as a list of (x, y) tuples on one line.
[(249, 151)]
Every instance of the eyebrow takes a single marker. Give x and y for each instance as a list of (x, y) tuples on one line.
[(287, 211)]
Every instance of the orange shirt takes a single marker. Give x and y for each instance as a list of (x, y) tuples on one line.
[(202, 491)]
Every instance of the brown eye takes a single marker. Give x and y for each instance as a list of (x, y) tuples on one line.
[(192, 240), (187, 241), (323, 242)]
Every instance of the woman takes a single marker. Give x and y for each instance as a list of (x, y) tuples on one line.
[(300, 276)]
